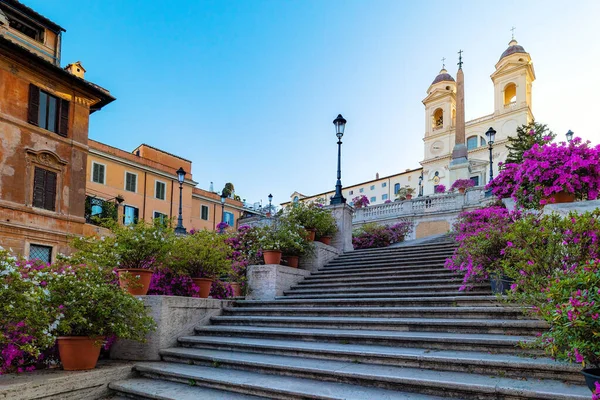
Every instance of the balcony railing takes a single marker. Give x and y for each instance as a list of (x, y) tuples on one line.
[(421, 205)]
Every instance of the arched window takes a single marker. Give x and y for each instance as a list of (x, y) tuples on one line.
[(510, 94), (482, 141), (438, 118), (296, 199), (472, 142)]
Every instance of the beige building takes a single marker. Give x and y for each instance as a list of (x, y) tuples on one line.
[(145, 182), (512, 78)]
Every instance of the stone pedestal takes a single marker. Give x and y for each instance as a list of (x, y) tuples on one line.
[(175, 316), (322, 255), (343, 217), (459, 169), (579, 207), (265, 282)]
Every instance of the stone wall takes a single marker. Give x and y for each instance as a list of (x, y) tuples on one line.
[(175, 316), (265, 282), (430, 228), (321, 255)]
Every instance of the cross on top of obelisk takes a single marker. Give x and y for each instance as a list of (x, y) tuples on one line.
[(460, 62), (513, 32)]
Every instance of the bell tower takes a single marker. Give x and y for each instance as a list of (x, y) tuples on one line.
[(440, 104), (513, 79)]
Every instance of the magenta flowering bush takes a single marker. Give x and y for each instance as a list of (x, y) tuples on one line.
[(169, 283), (440, 189), (361, 201), (462, 184), (480, 236), (221, 290), (245, 251), (372, 235), (222, 227), (553, 168)]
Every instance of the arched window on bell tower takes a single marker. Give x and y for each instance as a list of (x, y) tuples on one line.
[(510, 94), (438, 119)]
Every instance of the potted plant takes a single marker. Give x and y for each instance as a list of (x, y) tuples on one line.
[(360, 201), (439, 189), (306, 214), (326, 226), (405, 193), (461, 185), (271, 242), (92, 309), (245, 251), (203, 255), (293, 240)]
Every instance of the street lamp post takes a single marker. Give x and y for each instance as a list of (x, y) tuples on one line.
[(179, 229), (223, 207), (270, 200), (569, 135), (340, 124), (491, 135)]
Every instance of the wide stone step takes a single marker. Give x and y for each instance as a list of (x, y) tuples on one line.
[(379, 277), (372, 269), (444, 360), (394, 262), (451, 325), (368, 283), (451, 384), (383, 312), (387, 293), (504, 344), (435, 301), (441, 271), (391, 257), (423, 248), (156, 389), (400, 287), (268, 385)]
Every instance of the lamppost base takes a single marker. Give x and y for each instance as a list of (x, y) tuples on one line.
[(180, 231), (337, 200)]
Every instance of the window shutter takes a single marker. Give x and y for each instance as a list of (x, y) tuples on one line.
[(34, 104), (101, 173), (95, 172), (39, 178), (136, 214), (63, 121), (50, 189)]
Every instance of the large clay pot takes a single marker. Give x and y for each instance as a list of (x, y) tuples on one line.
[(408, 196), (592, 375), (461, 190), (312, 232), (237, 289), (292, 261), (78, 353), (563, 197), (138, 281), (272, 256), (325, 240), (204, 285)]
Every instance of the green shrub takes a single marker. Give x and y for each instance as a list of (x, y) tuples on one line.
[(201, 254)]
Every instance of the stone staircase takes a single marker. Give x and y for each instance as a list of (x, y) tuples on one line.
[(372, 324)]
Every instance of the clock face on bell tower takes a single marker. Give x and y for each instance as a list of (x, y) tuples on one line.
[(437, 147)]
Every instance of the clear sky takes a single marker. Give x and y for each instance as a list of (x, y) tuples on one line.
[(248, 89)]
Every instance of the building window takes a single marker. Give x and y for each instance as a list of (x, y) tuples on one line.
[(396, 188), (373, 199), (228, 218), (98, 173), (41, 253), (372, 187), (44, 189), (204, 213), (296, 199), (130, 215), (384, 197), (384, 184), (130, 182), (472, 142), (25, 26), (475, 180), (160, 189), (48, 111), (438, 118), (361, 190), (351, 192), (162, 218), (510, 94), (482, 141)]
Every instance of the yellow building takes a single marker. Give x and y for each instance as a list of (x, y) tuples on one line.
[(144, 184)]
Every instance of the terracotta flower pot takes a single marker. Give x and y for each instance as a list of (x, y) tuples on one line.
[(461, 190), (272, 256), (78, 353), (408, 196), (312, 232), (292, 261), (140, 280), (563, 197), (237, 289), (325, 240), (204, 285)]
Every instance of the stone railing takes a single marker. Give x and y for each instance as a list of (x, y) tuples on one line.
[(421, 205)]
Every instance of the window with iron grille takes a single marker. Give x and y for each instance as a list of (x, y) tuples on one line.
[(40, 252), (44, 189), (130, 182)]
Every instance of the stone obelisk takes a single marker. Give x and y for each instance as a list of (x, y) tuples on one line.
[(459, 166)]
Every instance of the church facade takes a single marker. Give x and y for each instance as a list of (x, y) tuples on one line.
[(512, 78)]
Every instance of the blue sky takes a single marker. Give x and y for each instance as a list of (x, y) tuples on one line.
[(248, 90)]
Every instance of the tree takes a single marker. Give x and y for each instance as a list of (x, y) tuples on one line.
[(527, 136), (228, 189)]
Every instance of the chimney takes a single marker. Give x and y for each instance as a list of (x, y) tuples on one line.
[(76, 69), (212, 188), (377, 175)]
